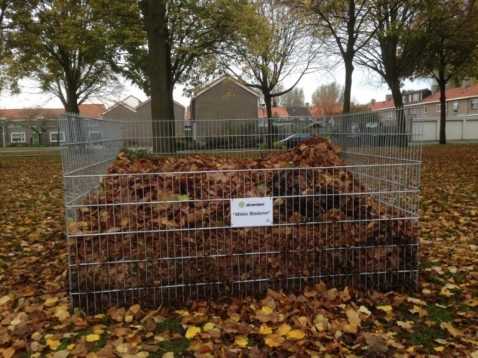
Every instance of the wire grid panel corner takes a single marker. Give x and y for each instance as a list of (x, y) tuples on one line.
[(165, 236)]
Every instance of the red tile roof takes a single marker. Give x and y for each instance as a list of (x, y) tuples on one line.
[(378, 105), (87, 110), (276, 112), (453, 93)]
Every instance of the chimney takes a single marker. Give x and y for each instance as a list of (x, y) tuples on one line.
[(306, 104), (372, 101), (388, 97), (466, 83), (434, 88)]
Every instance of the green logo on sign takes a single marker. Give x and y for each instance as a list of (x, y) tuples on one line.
[(242, 204)]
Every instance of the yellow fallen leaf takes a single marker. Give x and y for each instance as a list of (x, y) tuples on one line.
[(439, 349), (405, 325), (100, 316), (182, 313), (452, 330), (241, 341), (53, 343), (209, 326), (283, 329), (135, 308), (265, 329), (296, 334), (267, 310), (353, 316), (51, 301), (192, 331), (128, 318), (4, 300), (274, 340), (8, 352), (446, 292), (364, 310), (385, 308), (70, 346), (92, 337)]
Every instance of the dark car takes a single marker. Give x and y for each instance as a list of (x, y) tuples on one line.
[(294, 139)]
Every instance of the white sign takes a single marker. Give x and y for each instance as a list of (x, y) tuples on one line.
[(247, 212)]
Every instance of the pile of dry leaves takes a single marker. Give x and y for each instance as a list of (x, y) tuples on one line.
[(166, 222)]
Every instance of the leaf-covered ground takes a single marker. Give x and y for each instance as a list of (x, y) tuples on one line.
[(440, 319)]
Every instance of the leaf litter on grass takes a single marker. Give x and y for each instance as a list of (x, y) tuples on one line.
[(437, 320)]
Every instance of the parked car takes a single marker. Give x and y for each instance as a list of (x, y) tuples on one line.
[(294, 139)]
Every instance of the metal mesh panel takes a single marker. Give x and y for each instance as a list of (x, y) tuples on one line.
[(163, 233)]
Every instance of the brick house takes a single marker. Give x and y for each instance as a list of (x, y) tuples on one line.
[(137, 120), (224, 107), (38, 126), (461, 111)]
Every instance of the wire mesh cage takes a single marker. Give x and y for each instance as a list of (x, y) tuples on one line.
[(232, 207)]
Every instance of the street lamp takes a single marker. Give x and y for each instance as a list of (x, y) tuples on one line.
[(2, 122)]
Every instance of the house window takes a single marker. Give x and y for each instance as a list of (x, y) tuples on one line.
[(56, 137), (455, 106), (424, 110), (94, 136), (390, 114), (18, 137), (91, 123), (417, 97), (439, 107), (474, 104), (413, 110)]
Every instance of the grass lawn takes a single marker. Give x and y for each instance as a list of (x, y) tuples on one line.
[(439, 320)]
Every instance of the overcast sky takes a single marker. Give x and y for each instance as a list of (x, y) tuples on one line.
[(364, 88)]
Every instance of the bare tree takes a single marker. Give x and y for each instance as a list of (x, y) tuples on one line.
[(279, 46), (39, 120), (294, 98), (347, 26)]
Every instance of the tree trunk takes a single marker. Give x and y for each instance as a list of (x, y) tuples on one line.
[(442, 85), (349, 69), (162, 105), (401, 134), (71, 105), (270, 127)]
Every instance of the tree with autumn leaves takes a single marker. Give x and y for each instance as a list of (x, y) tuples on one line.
[(65, 46), (76, 50)]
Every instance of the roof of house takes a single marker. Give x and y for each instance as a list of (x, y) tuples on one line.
[(298, 111), (132, 101), (453, 94), (276, 112), (226, 78), (120, 104), (149, 100), (87, 110), (378, 105)]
